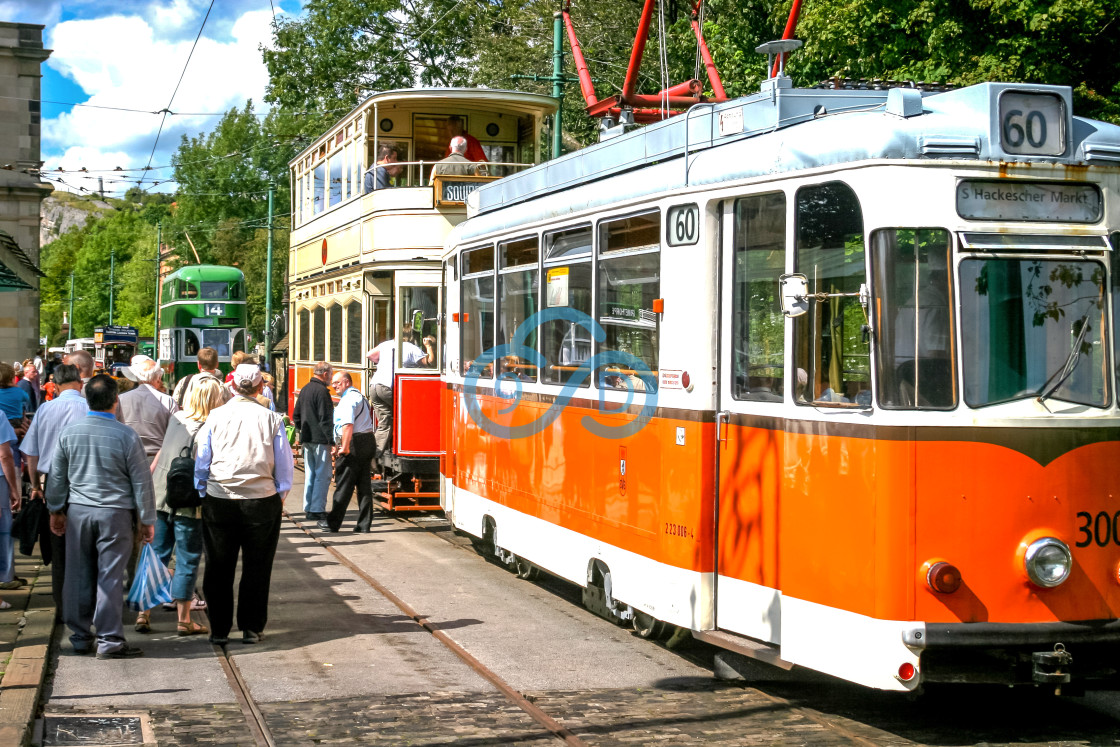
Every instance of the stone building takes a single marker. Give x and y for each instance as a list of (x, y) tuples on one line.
[(21, 191)]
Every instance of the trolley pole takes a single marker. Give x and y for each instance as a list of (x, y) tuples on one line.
[(155, 309), (112, 270), (268, 281)]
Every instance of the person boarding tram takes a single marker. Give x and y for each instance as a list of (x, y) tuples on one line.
[(381, 383)]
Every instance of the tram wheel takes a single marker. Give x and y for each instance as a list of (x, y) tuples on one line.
[(525, 570), (647, 626)]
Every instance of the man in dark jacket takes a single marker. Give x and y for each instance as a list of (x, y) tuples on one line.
[(314, 417)]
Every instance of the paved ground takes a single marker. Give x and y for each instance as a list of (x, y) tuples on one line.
[(341, 665)]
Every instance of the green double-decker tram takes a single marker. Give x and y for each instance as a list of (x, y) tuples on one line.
[(201, 306)]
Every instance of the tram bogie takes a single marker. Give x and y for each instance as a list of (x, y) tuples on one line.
[(911, 464)]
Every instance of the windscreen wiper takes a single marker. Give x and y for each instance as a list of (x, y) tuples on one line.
[(1059, 377)]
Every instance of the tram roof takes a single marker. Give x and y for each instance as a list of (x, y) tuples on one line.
[(779, 130), (205, 272), (513, 101)]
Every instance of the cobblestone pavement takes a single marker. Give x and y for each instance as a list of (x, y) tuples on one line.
[(709, 713)]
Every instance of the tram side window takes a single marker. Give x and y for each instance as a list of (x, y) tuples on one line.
[(335, 191), (354, 332), (758, 325), (566, 338), (518, 295), (320, 341), (629, 282), (476, 318), (421, 304), (319, 182), (190, 343), (304, 335), (833, 363), (914, 328), (187, 289), (336, 333)]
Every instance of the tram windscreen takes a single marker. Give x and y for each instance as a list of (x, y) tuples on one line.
[(1033, 327), (215, 291), (218, 339)]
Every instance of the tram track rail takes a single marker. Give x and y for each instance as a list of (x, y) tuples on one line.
[(558, 730)]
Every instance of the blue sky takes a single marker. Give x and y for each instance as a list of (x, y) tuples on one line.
[(130, 53)]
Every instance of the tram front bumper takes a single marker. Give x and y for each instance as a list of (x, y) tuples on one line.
[(1079, 653)]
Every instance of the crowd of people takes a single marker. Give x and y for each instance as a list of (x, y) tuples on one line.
[(101, 460), (106, 458)]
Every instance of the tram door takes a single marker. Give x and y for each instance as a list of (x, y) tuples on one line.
[(753, 383), (416, 388)]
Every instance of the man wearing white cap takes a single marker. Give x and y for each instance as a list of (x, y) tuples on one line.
[(147, 408), (243, 468)]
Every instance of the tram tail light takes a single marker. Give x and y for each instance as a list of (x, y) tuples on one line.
[(455, 316), (943, 578), (907, 672)]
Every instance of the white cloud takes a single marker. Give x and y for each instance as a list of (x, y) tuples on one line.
[(132, 65)]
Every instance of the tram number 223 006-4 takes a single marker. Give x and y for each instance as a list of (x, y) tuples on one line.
[(678, 530), (1101, 528)]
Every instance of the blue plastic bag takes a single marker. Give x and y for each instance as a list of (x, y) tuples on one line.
[(151, 586)]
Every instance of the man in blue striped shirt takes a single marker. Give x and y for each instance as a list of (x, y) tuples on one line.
[(99, 484)]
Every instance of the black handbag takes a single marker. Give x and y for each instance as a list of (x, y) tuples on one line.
[(181, 492)]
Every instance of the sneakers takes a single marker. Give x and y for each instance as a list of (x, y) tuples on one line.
[(124, 652), (251, 637)]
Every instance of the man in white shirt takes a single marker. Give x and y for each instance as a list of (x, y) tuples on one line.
[(353, 451), (381, 383)]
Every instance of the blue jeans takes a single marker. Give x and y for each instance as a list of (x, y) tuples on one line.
[(317, 477), (184, 536)]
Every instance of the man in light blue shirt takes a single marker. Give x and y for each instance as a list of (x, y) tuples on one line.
[(99, 485), (39, 446), (353, 436)]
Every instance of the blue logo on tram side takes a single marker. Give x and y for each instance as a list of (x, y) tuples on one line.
[(622, 369)]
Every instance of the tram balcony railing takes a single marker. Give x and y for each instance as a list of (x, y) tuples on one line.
[(419, 173)]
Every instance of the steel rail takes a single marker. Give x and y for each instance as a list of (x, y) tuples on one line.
[(554, 727), (262, 735)]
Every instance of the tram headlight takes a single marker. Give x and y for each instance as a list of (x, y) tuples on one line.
[(1048, 562)]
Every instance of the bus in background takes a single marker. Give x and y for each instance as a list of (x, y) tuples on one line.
[(113, 346), (365, 261), (201, 306)]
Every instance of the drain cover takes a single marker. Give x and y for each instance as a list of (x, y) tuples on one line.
[(108, 730)]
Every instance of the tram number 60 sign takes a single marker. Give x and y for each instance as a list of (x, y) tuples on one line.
[(1032, 124), (683, 225)]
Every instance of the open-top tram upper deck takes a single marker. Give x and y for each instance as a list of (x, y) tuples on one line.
[(871, 355)]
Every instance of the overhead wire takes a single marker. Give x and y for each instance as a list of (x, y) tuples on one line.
[(181, 76)]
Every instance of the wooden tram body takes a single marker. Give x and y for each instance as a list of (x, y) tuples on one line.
[(201, 306), (363, 264), (878, 486)]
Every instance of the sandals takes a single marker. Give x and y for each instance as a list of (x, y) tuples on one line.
[(143, 623), (192, 628)]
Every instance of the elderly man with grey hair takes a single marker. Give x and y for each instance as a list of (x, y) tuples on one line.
[(147, 408), (456, 164)]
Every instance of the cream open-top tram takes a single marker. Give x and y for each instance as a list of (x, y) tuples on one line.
[(364, 263)]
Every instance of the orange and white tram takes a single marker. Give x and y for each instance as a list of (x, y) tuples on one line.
[(824, 376), (365, 262)]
